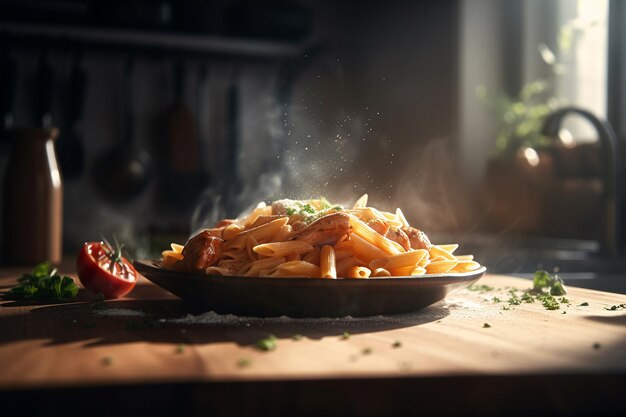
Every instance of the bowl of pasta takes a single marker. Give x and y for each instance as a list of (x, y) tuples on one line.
[(310, 258)]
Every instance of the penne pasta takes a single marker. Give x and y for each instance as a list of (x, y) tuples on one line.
[(327, 262), (285, 239), (406, 259), (359, 272)]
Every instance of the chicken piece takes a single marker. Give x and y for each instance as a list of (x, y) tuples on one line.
[(200, 252), (326, 230), (418, 239), (381, 226), (400, 237)]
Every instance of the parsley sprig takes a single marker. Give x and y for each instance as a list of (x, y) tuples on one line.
[(44, 284)]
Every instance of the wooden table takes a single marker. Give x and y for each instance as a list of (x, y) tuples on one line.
[(149, 354)]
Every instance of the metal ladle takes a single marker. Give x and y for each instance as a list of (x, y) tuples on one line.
[(123, 171)]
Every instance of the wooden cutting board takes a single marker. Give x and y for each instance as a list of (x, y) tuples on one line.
[(152, 338)]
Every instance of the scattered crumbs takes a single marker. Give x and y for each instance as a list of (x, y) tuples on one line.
[(366, 351), (397, 344), (486, 325), (99, 297), (585, 304), (596, 345), (107, 361), (180, 348), (345, 336), (244, 363), (616, 307), (297, 337), (266, 344)]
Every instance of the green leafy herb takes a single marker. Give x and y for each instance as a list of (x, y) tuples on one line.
[(549, 302), (345, 336), (290, 211), (585, 304), (481, 288), (244, 363), (496, 300), (267, 343), (44, 284), (551, 284), (514, 300), (397, 344), (486, 325), (563, 300), (527, 297)]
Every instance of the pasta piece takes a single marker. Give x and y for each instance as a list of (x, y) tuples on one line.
[(402, 272), (177, 248), (380, 272), (262, 233), (359, 272), (327, 262), (440, 267), (216, 270), (231, 231), (466, 266), (265, 264), (342, 254), (365, 249), (260, 210), (282, 234), (293, 257), (283, 248), (361, 229), (401, 217), (250, 244), (361, 202), (437, 251), (313, 257), (170, 258), (297, 269), (406, 259), (343, 266), (439, 258), (464, 257), (451, 247), (418, 271)]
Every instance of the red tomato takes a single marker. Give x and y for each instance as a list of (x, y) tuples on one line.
[(103, 270)]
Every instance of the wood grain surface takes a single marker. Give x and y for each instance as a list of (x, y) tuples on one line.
[(153, 337)]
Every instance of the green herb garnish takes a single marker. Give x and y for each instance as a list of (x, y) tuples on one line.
[(366, 351), (563, 300), (496, 300), (527, 297), (585, 304), (543, 282), (514, 300), (616, 307), (481, 288), (549, 302), (297, 337), (486, 325), (266, 344), (180, 348), (345, 336), (397, 344), (44, 284), (244, 363)]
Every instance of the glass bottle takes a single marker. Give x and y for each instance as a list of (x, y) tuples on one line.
[(33, 200)]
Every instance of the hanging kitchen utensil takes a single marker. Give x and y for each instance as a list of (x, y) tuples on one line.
[(183, 179), (123, 171), (70, 147)]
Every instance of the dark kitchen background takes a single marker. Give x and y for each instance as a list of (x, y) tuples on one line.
[(173, 114)]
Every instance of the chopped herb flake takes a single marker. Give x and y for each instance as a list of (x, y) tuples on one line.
[(616, 307), (527, 297), (297, 337), (563, 300), (481, 288), (514, 300), (585, 304), (107, 361), (397, 344), (366, 351), (496, 300), (486, 325), (266, 344), (345, 336), (180, 348), (244, 363)]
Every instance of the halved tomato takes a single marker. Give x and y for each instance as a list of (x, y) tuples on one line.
[(103, 270)]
